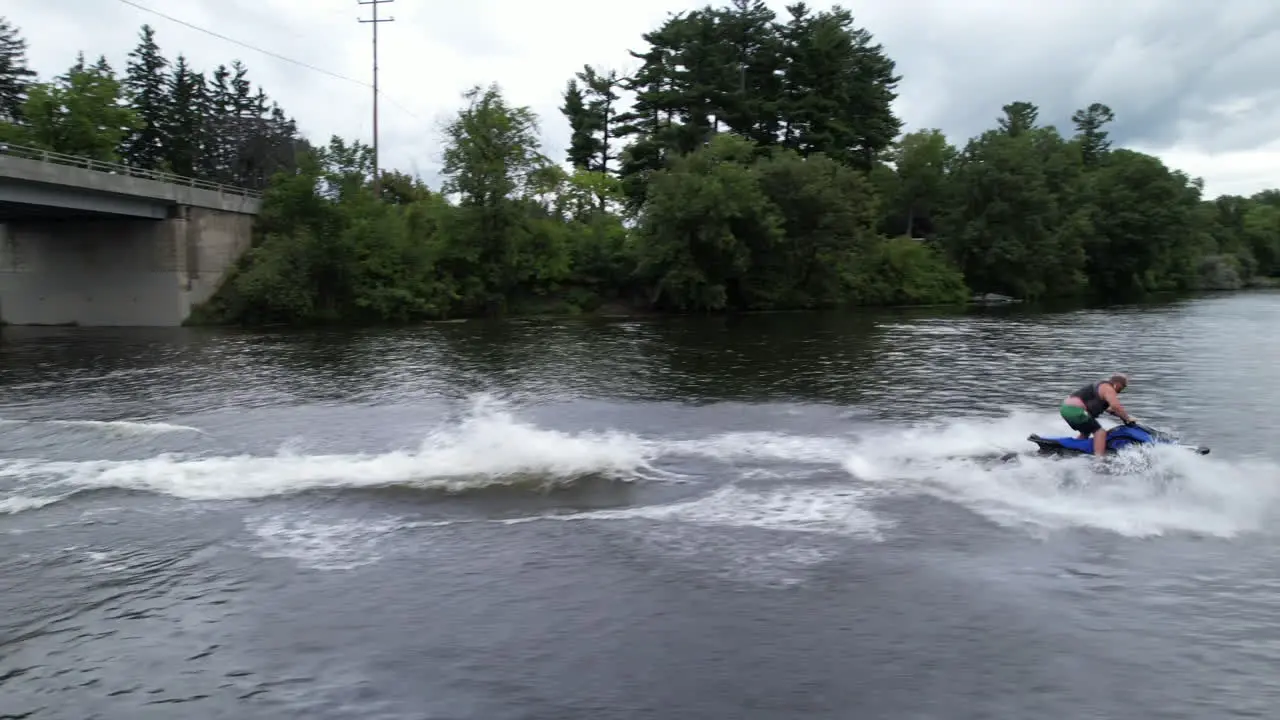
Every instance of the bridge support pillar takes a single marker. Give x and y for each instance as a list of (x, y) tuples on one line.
[(116, 271)]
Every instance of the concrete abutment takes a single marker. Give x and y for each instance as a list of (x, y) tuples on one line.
[(116, 271)]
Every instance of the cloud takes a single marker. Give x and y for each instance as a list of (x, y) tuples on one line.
[(1188, 81)]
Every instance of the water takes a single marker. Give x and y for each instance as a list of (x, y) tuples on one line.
[(782, 515)]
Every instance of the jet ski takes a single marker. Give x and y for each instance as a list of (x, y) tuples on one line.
[(1118, 438)]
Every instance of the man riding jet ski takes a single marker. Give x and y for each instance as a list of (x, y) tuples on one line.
[(1081, 409)]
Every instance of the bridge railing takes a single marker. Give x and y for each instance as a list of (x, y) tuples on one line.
[(48, 156)]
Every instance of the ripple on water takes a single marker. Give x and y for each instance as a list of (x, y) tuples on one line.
[(193, 524)]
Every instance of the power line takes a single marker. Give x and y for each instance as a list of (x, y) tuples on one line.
[(242, 44), (377, 181), (267, 52)]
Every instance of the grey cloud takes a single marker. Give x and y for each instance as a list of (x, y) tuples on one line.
[(1162, 67), (1175, 73)]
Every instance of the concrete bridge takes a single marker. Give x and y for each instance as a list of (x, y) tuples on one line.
[(85, 242)]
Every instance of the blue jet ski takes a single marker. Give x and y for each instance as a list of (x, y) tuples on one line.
[(1118, 438)]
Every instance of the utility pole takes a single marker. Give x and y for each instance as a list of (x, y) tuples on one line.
[(377, 175)]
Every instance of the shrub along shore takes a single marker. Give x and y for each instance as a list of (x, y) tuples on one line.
[(758, 166)]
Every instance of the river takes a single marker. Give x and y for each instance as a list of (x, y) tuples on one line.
[(789, 515)]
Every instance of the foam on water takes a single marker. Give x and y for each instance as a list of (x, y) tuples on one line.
[(818, 518), (811, 509), (1142, 492), (757, 479), (488, 447), (763, 446), (18, 503), (127, 426), (320, 545), (122, 427)]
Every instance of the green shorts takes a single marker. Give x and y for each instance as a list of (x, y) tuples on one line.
[(1078, 418)]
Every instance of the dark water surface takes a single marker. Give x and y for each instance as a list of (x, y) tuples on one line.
[(775, 516)]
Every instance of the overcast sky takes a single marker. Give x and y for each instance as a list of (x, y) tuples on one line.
[(1190, 80)]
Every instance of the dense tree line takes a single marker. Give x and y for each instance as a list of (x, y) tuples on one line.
[(759, 164), (158, 115)]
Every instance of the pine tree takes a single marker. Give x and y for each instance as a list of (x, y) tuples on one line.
[(78, 66), (1019, 117), (284, 149), (185, 129), (1093, 139), (216, 160), (146, 83), (698, 80), (15, 76), (240, 125), (591, 111), (753, 87), (581, 142), (839, 89), (652, 118), (602, 109)]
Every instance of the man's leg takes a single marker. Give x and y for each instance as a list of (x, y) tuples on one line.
[(1099, 436)]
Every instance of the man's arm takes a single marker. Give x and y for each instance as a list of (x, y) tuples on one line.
[(1108, 393)]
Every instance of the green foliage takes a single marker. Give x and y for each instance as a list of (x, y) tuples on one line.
[(15, 76), (159, 115), (759, 165), (146, 86), (1093, 139), (827, 214), (705, 217), (80, 113), (756, 168), (1026, 212), (905, 271), (591, 111), (1142, 224), (915, 190)]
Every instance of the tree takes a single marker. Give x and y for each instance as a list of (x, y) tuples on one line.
[(816, 84), (759, 166), (147, 87), (582, 144), (1019, 117), (754, 59), (1261, 231), (589, 106), (80, 113), (217, 160), (185, 130), (1015, 224), (1093, 139), (15, 76), (492, 150), (705, 214), (839, 89), (922, 160), (1143, 223), (590, 109), (828, 214), (245, 139), (494, 165)]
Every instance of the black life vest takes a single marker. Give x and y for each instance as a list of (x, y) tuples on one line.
[(1094, 403)]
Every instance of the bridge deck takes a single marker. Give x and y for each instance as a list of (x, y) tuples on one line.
[(34, 182)]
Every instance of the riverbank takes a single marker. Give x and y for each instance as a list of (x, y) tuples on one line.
[(616, 310)]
